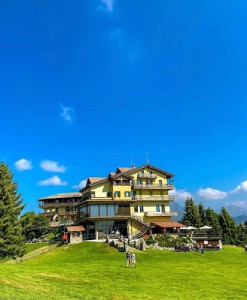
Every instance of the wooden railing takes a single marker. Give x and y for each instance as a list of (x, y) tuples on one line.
[(47, 205), (147, 175)]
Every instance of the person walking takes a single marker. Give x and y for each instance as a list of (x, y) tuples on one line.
[(245, 248), (128, 258), (202, 249), (133, 260)]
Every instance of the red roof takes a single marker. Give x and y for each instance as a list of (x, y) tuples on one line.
[(95, 179), (75, 228), (122, 170), (168, 224)]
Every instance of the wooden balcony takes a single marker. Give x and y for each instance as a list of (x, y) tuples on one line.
[(54, 205), (154, 198), (147, 175), (153, 186), (160, 214)]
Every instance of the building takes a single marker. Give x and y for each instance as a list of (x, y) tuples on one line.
[(60, 208), (131, 202)]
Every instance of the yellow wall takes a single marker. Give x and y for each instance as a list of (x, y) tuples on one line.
[(101, 189), (149, 206), (157, 219), (121, 189)]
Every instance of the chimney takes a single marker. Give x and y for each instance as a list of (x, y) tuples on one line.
[(133, 166)]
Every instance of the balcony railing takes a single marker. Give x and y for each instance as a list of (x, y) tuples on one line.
[(160, 214), (121, 183), (153, 186), (154, 198), (147, 175), (47, 205)]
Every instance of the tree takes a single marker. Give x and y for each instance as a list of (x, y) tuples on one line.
[(11, 240), (191, 216), (212, 219), (202, 214), (228, 226), (34, 226)]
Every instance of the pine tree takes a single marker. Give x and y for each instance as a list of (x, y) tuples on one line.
[(212, 219), (191, 216), (11, 240), (228, 226), (202, 214)]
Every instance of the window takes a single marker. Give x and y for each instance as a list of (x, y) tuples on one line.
[(157, 208), (161, 193), (92, 194), (150, 172), (108, 194), (141, 208), (142, 171), (127, 194), (117, 194), (103, 210), (163, 208), (150, 181), (151, 193), (75, 234), (110, 210), (140, 193), (160, 182), (94, 211), (136, 208)]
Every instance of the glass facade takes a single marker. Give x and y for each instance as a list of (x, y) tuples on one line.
[(111, 227)]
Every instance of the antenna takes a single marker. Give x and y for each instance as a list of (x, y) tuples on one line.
[(147, 158)]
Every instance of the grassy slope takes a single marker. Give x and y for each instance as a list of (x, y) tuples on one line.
[(96, 271)]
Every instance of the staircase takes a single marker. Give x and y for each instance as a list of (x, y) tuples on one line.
[(145, 226)]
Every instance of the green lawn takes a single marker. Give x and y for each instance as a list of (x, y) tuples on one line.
[(96, 271)]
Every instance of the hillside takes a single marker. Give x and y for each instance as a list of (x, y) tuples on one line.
[(179, 209), (95, 271), (240, 219)]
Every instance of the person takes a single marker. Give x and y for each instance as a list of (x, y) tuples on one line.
[(127, 259), (133, 260), (202, 249), (245, 248)]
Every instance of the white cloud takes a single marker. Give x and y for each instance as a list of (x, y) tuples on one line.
[(209, 193), (67, 113), (180, 194), (55, 181), (23, 165), (81, 185), (108, 5), (52, 166), (241, 187)]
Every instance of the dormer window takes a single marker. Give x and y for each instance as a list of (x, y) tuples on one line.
[(142, 171), (92, 194), (150, 172)]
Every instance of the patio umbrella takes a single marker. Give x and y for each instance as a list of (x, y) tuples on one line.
[(205, 227), (190, 227)]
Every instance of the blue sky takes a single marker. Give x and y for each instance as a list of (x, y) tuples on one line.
[(87, 86)]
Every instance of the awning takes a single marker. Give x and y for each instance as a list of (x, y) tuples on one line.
[(75, 228), (168, 224)]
